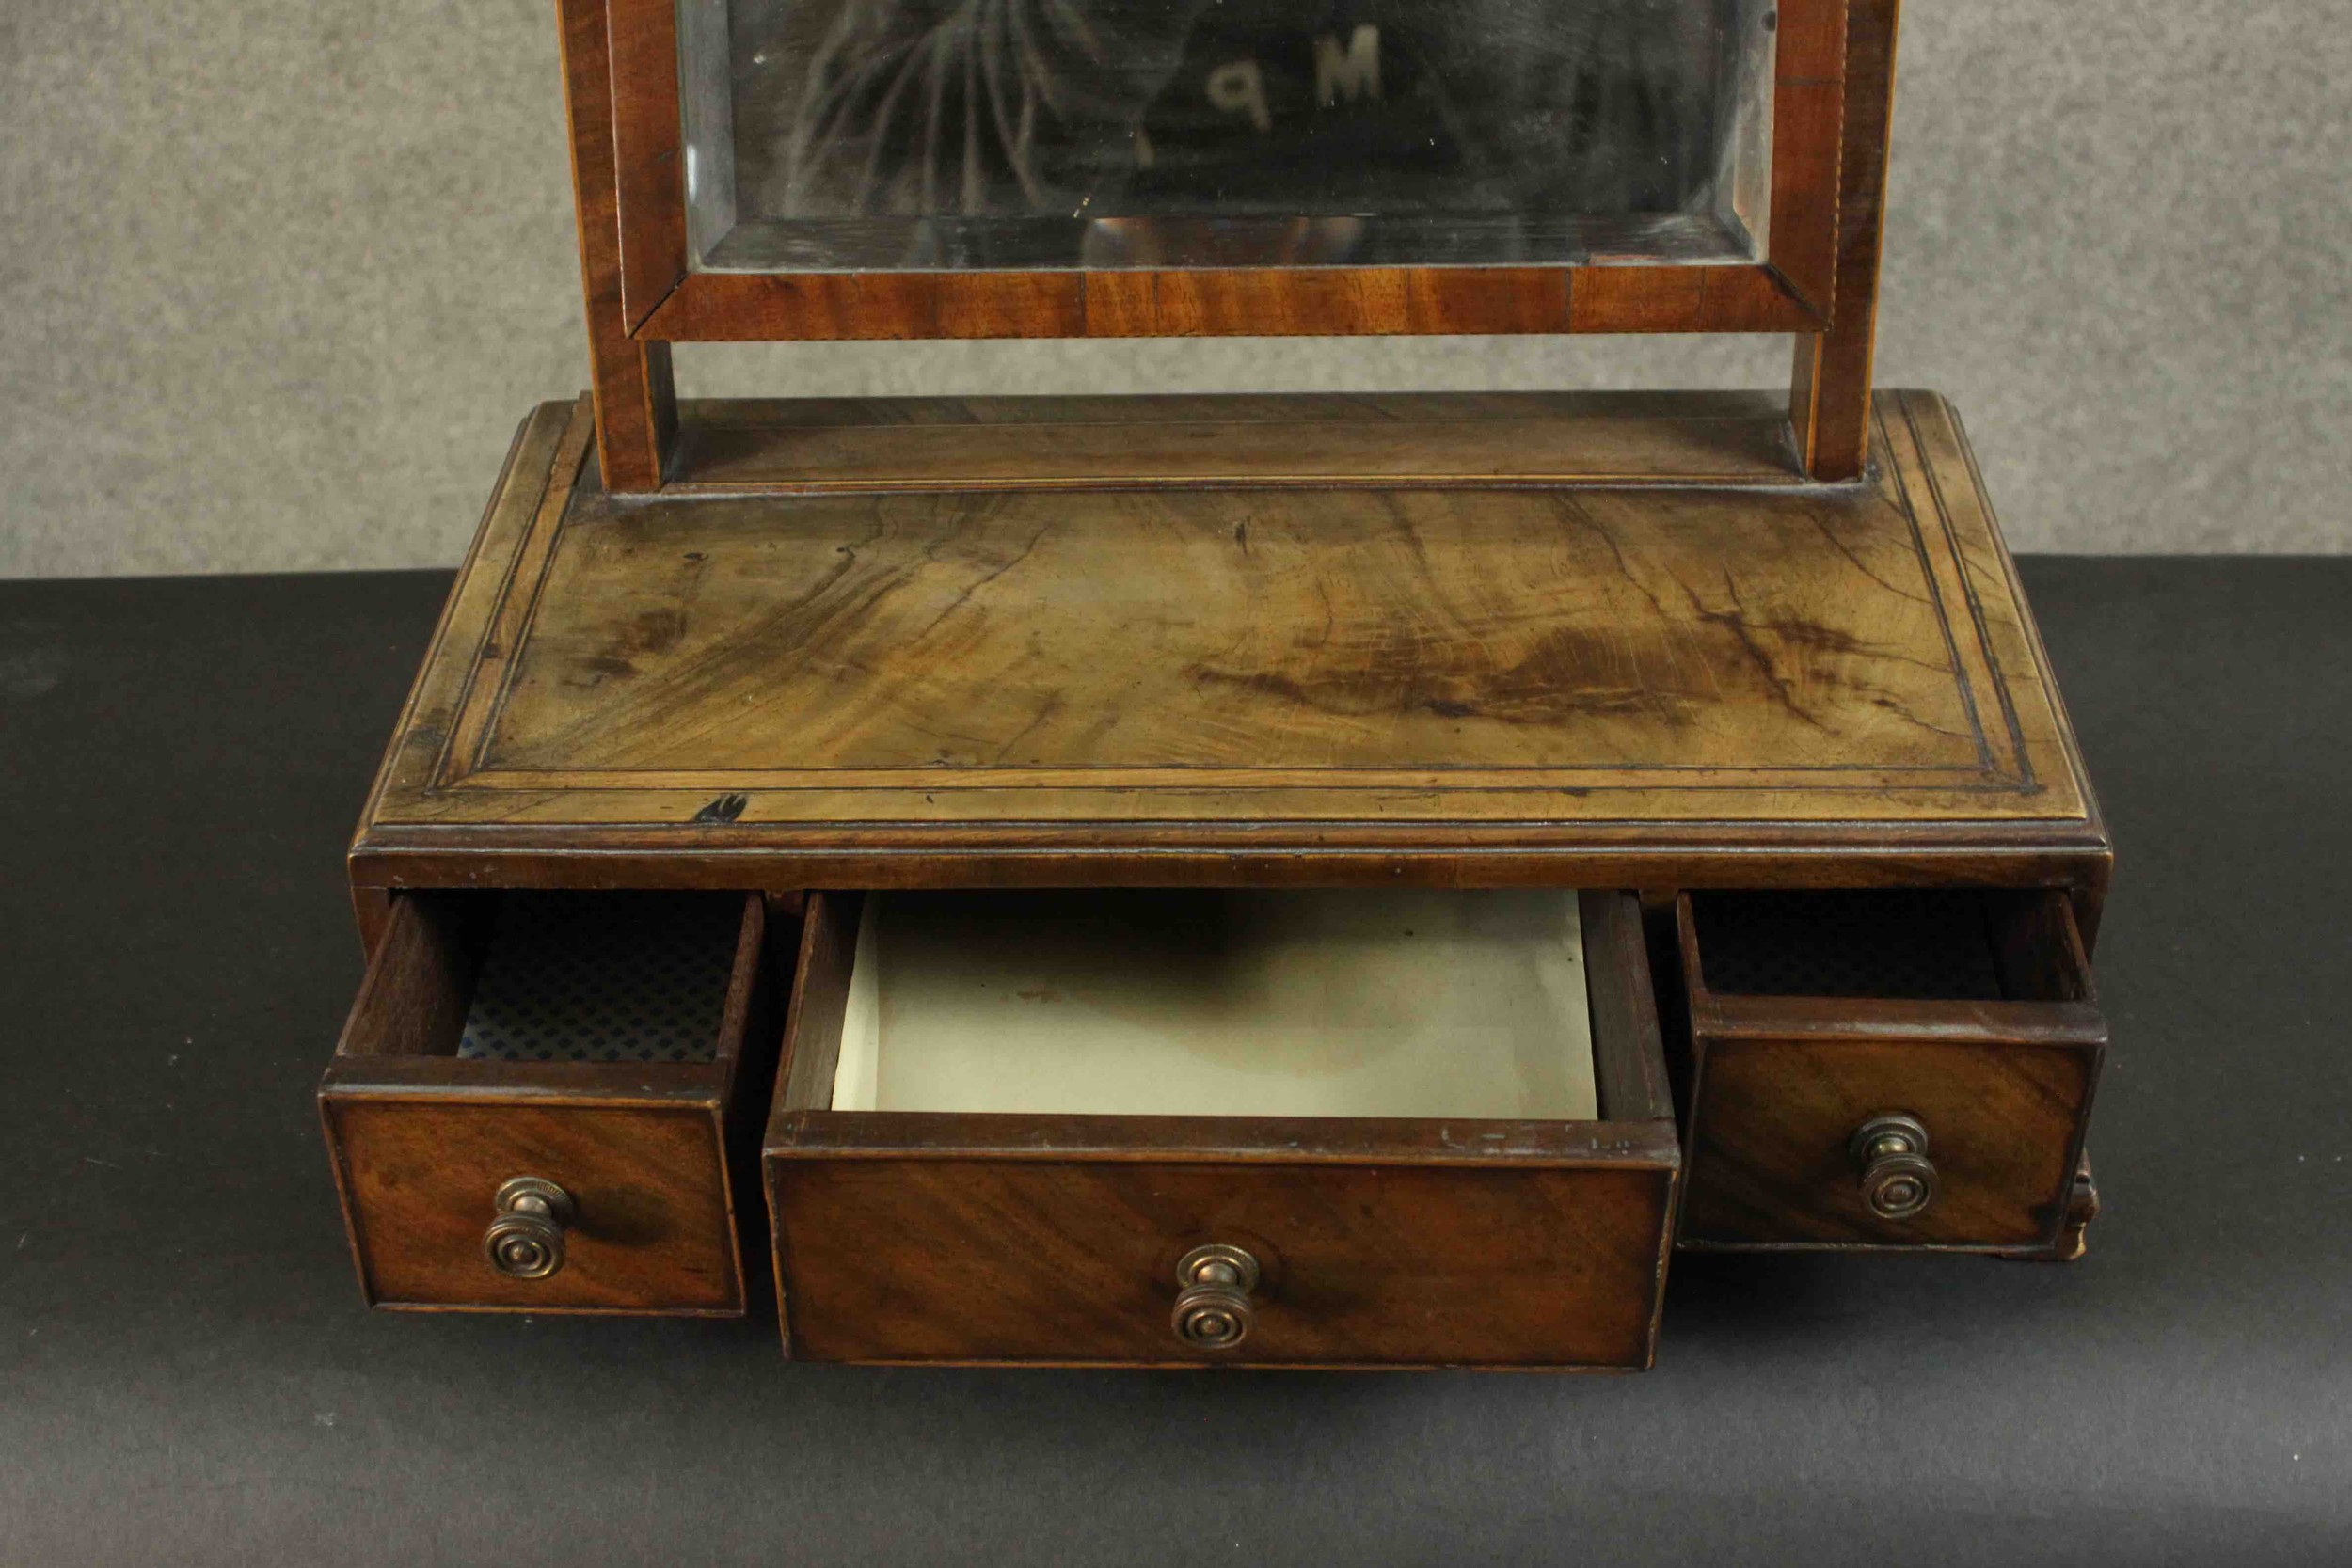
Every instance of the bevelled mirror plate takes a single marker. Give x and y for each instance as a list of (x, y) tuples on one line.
[(827, 135)]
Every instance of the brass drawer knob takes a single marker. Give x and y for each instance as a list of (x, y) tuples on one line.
[(1213, 1309), (1899, 1180), (526, 1239)]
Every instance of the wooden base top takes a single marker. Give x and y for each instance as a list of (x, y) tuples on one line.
[(930, 676)]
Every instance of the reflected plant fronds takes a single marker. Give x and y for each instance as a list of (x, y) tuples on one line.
[(1490, 112)]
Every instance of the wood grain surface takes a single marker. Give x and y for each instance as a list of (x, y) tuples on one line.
[(622, 74), (1242, 671), (2003, 1086), (1769, 1162), (636, 397), (1787, 290), (1829, 397), (420, 1139), (815, 445), (654, 1233), (1007, 1260), (1054, 1238)]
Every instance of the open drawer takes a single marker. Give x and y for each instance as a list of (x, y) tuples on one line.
[(1888, 1069), (533, 1103), (1188, 1128)]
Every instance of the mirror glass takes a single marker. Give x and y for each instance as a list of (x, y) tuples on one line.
[(921, 135)]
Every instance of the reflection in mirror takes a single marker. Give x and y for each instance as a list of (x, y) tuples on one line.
[(849, 134)]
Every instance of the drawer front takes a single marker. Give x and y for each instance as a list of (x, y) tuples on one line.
[(1773, 1155), (964, 1260), (523, 1116), (650, 1227), (1886, 1068), (1079, 1236)]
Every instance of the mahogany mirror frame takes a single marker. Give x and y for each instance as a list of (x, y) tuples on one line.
[(1832, 89)]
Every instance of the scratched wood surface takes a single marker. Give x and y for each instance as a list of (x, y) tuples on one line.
[(1559, 658)]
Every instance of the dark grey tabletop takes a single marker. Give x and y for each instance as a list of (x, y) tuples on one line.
[(187, 1376)]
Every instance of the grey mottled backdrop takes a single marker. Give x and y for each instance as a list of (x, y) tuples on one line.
[(278, 276)]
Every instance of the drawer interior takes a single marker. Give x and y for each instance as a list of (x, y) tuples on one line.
[(1418, 1004), (1434, 1123), (620, 978), (1938, 944), (603, 977)]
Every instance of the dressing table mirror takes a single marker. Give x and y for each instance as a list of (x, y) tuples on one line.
[(1276, 880)]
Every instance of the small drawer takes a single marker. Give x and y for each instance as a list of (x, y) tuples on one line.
[(1189, 1128), (532, 1104), (1887, 1068)]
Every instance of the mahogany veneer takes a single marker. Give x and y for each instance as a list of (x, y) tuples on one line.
[(1192, 679), (1840, 1025), (422, 1140), (910, 1236), (1687, 650), (1544, 641)]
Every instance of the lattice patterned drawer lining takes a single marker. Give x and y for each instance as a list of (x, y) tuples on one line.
[(604, 977), (1933, 946)]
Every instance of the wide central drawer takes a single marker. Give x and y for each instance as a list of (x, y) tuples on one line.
[(1249, 1127)]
